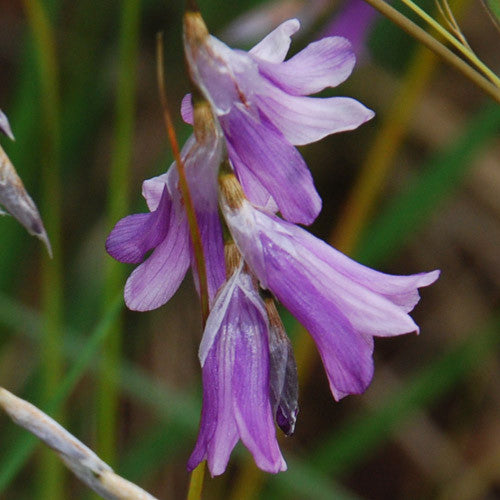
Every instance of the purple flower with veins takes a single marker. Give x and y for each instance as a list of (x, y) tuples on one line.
[(261, 103), (234, 355), (165, 230), (341, 303)]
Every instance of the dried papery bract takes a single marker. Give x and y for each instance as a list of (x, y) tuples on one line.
[(16, 200), (84, 463), (5, 126)]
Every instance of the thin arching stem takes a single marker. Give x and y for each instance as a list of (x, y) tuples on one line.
[(438, 48)]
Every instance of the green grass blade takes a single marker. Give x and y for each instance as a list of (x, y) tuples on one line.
[(107, 393)]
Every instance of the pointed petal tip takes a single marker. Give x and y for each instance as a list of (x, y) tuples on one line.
[(45, 239), (5, 126)]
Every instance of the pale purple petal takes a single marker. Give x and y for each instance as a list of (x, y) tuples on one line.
[(340, 308), (253, 188), (187, 109), (152, 190), (325, 63), (274, 47), (252, 407), (209, 444), (400, 290), (133, 236), (303, 120), (236, 381), (155, 281), (274, 162), (5, 125)]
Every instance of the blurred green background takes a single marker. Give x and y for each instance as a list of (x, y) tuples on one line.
[(78, 82)]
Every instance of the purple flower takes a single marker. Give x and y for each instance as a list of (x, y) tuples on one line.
[(262, 105), (234, 355), (341, 303), (165, 229)]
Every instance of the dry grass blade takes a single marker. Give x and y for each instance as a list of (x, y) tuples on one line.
[(445, 10), (16, 200), (85, 464), (5, 125)]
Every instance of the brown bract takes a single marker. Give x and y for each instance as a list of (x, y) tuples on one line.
[(231, 190), (16, 200)]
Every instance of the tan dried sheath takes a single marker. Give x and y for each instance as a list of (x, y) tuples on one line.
[(14, 197)]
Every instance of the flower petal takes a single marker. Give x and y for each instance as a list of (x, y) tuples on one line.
[(325, 63), (303, 120), (187, 109), (133, 236), (251, 391), (274, 47), (253, 188), (340, 310), (155, 281), (400, 290), (218, 434), (235, 357), (274, 162)]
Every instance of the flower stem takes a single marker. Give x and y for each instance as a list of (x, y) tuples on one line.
[(466, 51), (196, 482), (198, 474), (183, 184), (438, 48), (51, 472)]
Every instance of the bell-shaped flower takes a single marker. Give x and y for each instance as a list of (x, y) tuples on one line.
[(165, 229), (341, 303), (262, 105), (234, 355)]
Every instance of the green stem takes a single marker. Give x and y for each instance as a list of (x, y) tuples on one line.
[(438, 48), (466, 51), (51, 484), (196, 482), (108, 386)]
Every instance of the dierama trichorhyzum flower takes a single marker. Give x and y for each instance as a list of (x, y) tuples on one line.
[(342, 304), (262, 105), (250, 111)]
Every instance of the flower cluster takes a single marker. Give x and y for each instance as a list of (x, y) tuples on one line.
[(252, 110)]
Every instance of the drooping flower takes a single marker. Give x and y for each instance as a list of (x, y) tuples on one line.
[(341, 303), (165, 228), (262, 105), (234, 355)]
